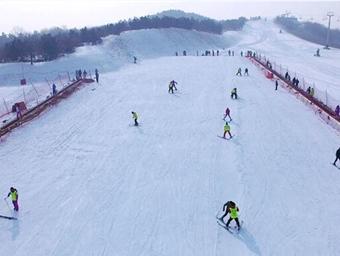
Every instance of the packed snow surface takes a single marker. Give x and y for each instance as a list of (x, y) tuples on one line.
[(114, 52), (91, 183), (293, 54)]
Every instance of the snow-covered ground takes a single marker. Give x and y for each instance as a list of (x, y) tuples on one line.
[(293, 53), (115, 52), (90, 183)]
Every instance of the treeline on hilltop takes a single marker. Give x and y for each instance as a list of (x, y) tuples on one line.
[(310, 31), (49, 45)]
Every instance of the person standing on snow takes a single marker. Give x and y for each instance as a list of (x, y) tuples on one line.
[(18, 111), (14, 196), (239, 72), (227, 114), (227, 130), (246, 72), (135, 117), (337, 156), (172, 85), (231, 208), (54, 89), (234, 93), (337, 110), (276, 84), (97, 75)]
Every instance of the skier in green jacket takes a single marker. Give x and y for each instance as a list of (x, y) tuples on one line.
[(13, 193), (231, 208), (227, 130)]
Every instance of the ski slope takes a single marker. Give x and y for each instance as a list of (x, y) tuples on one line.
[(114, 52), (293, 53), (91, 184)]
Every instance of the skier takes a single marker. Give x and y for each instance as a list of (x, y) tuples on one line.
[(246, 72), (18, 111), (297, 82), (14, 196), (231, 208), (227, 130), (337, 110), (337, 155), (84, 74), (227, 114), (276, 84), (172, 85), (234, 93), (54, 89), (135, 117), (317, 53), (97, 75), (286, 75), (135, 59), (293, 81), (239, 72)]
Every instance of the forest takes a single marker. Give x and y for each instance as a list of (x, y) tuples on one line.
[(53, 43), (310, 31)]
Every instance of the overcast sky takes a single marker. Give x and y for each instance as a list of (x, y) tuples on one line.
[(39, 14)]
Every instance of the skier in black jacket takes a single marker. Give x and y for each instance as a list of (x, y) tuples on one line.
[(226, 207), (337, 154)]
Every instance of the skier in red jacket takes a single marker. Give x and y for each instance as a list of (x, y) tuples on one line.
[(227, 114)]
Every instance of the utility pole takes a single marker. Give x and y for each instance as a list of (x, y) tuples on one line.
[(330, 15)]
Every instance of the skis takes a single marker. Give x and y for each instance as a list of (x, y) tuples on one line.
[(224, 137), (232, 230), (8, 217)]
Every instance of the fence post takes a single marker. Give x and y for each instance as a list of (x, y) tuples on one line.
[(6, 106), (36, 91), (23, 91), (61, 83)]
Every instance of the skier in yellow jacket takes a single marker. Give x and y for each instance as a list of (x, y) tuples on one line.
[(13, 193), (227, 130), (231, 208)]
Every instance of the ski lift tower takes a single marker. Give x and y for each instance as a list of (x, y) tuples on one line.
[(330, 15)]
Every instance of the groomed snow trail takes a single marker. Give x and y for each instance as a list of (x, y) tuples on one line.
[(92, 184), (293, 53)]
